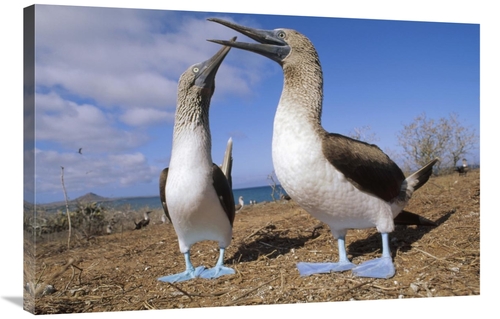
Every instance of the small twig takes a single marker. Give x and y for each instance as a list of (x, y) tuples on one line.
[(270, 253), (132, 289), (426, 253), (67, 206), (320, 237), (73, 275), (386, 288), (282, 281), (353, 288), (254, 299), (258, 230), (474, 262), (214, 294), (107, 286), (40, 288), (79, 275), (180, 290), (391, 292), (248, 292), (39, 279), (148, 305), (71, 279)]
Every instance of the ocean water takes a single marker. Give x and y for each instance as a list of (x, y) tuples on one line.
[(257, 194)]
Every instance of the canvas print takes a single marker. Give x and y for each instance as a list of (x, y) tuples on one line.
[(181, 159)]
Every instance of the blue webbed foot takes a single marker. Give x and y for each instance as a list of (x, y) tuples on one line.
[(183, 276), (306, 269), (219, 269), (376, 268), (216, 272)]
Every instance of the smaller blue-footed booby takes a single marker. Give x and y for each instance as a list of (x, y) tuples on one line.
[(143, 222), (345, 183), (241, 204), (196, 194)]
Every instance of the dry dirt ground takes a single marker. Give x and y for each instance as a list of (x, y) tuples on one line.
[(119, 271)]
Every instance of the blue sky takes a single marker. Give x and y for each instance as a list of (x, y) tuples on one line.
[(106, 81)]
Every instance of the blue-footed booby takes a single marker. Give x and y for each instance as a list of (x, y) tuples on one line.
[(241, 204), (143, 222), (345, 183), (196, 194)]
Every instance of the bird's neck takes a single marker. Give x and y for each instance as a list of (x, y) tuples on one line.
[(192, 134), (302, 96), (192, 111)]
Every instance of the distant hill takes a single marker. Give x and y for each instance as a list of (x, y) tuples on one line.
[(54, 206), (90, 197)]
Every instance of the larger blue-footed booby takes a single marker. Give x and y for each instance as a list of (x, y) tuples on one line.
[(341, 181), (196, 194)]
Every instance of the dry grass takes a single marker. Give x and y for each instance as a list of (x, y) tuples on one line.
[(119, 271)]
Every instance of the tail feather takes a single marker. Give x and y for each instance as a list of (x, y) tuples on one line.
[(411, 184), (421, 176), (227, 163), (416, 180)]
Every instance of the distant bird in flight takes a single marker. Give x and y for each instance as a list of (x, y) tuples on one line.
[(80, 150)]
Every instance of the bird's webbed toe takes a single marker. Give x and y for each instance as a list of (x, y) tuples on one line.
[(376, 268), (306, 269), (183, 276)]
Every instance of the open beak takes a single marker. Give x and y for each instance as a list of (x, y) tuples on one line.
[(209, 68), (270, 44)]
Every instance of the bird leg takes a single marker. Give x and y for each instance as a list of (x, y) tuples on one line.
[(219, 269), (189, 273), (382, 267), (306, 269)]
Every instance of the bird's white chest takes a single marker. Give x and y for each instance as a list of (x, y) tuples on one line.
[(192, 201), (189, 169), (313, 182), (301, 168)]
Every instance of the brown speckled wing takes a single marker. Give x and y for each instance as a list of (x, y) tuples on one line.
[(224, 192), (364, 165), (163, 180)]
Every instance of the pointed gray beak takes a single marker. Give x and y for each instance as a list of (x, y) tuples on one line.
[(209, 68), (271, 44)]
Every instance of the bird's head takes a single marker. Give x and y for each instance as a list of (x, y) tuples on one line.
[(278, 45), (201, 76)]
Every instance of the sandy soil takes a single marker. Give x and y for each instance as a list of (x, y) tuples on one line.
[(119, 271)]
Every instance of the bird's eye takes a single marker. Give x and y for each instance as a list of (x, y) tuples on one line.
[(196, 69), (281, 35)]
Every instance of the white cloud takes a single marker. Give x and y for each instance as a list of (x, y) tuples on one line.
[(119, 57), (130, 58), (143, 117), (124, 89), (85, 173), (106, 81), (75, 125)]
